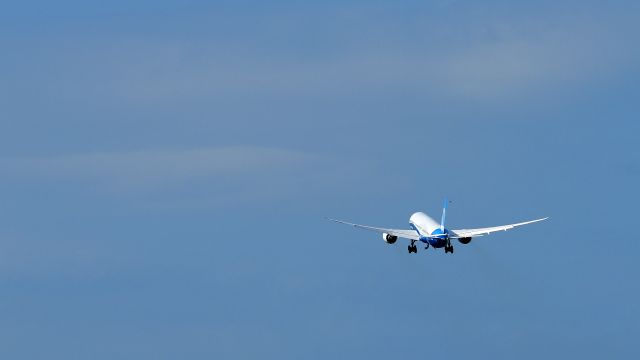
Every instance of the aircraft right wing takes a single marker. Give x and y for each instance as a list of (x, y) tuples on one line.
[(486, 231), (406, 234)]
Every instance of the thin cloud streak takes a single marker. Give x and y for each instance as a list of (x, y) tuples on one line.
[(157, 167), (503, 65), (230, 174)]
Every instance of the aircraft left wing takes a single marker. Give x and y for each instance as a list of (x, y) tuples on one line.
[(486, 231), (406, 234)]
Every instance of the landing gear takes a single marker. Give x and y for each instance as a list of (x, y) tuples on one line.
[(448, 248), (412, 248), (426, 246)]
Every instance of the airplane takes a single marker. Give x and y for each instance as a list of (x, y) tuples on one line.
[(428, 231)]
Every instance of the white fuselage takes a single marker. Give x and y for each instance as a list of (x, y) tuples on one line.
[(429, 229)]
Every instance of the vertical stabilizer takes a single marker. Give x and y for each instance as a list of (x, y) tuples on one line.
[(444, 213)]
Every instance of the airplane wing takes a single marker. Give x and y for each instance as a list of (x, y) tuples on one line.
[(406, 234), (486, 231)]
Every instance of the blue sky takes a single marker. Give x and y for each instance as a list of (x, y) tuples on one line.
[(166, 168)]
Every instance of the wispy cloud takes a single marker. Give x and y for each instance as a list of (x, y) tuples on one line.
[(157, 168), (35, 255), (540, 59), (237, 173), (498, 60)]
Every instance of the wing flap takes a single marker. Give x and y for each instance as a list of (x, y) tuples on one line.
[(489, 230), (406, 234)]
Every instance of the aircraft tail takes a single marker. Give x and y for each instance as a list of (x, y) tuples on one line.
[(444, 213)]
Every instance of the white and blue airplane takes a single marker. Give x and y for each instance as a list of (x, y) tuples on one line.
[(429, 232)]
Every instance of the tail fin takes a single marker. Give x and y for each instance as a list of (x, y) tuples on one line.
[(444, 213)]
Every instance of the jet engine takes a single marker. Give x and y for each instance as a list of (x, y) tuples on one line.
[(389, 239), (464, 240)]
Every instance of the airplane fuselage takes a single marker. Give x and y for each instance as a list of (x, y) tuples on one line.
[(429, 230)]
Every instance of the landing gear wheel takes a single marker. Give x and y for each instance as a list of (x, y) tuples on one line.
[(410, 249)]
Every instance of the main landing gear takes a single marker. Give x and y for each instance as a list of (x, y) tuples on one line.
[(448, 248), (412, 248)]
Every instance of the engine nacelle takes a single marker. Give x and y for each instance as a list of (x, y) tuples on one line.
[(389, 239), (464, 240)]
